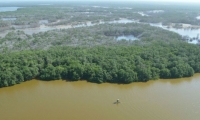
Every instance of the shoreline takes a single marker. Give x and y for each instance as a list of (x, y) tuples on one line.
[(183, 26), (168, 80)]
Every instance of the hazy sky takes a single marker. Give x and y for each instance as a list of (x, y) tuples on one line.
[(103, 0)]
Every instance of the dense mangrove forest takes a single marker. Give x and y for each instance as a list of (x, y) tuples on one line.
[(92, 52), (115, 62)]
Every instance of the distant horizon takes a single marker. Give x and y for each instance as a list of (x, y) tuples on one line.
[(159, 1)]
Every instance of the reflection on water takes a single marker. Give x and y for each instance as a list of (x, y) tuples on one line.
[(155, 11), (43, 22), (184, 32), (126, 37), (5, 9), (191, 33), (173, 99), (44, 28), (122, 21), (142, 14), (194, 41), (198, 17), (6, 19)]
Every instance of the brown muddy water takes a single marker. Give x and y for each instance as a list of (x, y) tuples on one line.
[(175, 99)]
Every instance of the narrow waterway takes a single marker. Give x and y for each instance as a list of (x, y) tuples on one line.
[(175, 99), (191, 33)]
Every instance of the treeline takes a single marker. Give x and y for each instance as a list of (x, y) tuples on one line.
[(114, 64)]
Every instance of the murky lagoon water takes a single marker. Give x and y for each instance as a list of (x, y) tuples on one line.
[(175, 99)]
